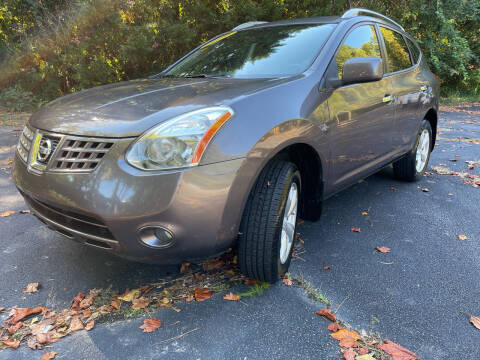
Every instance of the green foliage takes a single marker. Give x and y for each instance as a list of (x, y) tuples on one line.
[(51, 48), (17, 99)]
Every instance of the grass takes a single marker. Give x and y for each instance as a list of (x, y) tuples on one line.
[(457, 97), (255, 290), (13, 118), (312, 293)]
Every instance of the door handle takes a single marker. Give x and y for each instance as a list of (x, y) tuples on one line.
[(423, 87), (387, 98)]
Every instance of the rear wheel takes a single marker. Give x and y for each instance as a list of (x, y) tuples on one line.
[(268, 228), (413, 165)]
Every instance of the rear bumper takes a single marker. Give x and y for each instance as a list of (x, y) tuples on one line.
[(107, 207)]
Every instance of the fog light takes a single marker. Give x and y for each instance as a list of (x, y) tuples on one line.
[(156, 237)]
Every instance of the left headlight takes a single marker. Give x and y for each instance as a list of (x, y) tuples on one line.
[(178, 142)]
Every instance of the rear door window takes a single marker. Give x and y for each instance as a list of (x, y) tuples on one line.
[(360, 42), (398, 56)]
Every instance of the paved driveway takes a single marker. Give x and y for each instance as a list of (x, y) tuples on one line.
[(417, 295)]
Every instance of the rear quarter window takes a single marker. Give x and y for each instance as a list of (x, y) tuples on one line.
[(398, 55), (414, 50)]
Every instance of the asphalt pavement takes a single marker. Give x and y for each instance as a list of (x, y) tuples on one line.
[(418, 294)]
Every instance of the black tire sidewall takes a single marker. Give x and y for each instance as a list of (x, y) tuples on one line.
[(293, 176)]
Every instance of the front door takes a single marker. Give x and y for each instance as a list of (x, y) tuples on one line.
[(361, 132)]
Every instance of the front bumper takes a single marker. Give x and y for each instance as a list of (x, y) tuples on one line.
[(107, 207)]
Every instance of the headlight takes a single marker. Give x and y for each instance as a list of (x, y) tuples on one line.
[(179, 142)]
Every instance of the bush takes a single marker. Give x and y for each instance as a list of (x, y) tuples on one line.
[(17, 99), (51, 48)]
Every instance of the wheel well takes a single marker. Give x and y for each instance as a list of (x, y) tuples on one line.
[(308, 163), (432, 118)]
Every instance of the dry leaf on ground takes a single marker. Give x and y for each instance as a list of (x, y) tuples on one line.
[(115, 304), (287, 282), (364, 357), (326, 267), (24, 211), (18, 314), (333, 327), (425, 190), (475, 321), (355, 229), (140, 303), (86, 303), (232, 297), (213, 264), (14, 344), (48, 356), (326, 312), (75, 325), (90, 325), (7, 213), (31, 288), (345, 334), (462, 237), (397, 352), (13, 329), (129, 295), (383, 249), (202, 294), (77, 300), (150, 325), (1, 308), (349, 354)]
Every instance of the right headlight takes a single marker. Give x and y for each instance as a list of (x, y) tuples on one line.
[(179, 142)]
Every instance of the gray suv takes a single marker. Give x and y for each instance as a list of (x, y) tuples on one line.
[(232, 143)]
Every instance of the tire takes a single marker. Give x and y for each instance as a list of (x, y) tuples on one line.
[(260, 238), (406, 168)]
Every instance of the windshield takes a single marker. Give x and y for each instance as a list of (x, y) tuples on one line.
[(261, 52)]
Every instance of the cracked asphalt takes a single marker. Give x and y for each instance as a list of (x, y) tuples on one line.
[(417, 295)]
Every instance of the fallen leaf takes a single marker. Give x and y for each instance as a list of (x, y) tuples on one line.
[(45, 338), (326, 267), (287, 282), (75, 325), (232, 297), (347, 342), (425, 190), (13, 329), (355, 229), (396, 351), (344, 334), (1, 308), (393, 188), (115, 304), (202, 294), (326, 312), (150, 325), (383, 249), (333, 327), (189, 298), (7, 213), (363, 351), (140, 303), (349, 354), (364, 213), (90, 325), (48, 356), (249, 282), (14, 344), (475, 321), (24, 211), (86, 313), (77, 300), (18, 314), (364, 356), (184, 268), (129, 295), (86, 303), (462, 237), (23, 298)]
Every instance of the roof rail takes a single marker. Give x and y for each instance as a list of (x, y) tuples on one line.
[(366, 12), (248, 24)]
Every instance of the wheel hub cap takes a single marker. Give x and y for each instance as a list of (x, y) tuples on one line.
[(289, 222), (423, 148)]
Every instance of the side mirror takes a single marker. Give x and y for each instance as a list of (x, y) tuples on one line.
[(362, 69)]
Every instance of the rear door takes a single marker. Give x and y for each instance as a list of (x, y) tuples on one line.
[(360, 135), (407, 88)]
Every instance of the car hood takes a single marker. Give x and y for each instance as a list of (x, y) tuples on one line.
[(129, 108)]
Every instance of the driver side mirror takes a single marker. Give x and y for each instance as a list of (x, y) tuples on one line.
[(362, 69)]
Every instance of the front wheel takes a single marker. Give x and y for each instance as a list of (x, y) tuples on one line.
[(413, 165), (268, 228)]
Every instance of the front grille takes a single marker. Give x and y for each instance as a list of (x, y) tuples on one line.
[(80, 154), (87, 226), (25, 143)]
